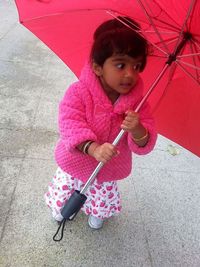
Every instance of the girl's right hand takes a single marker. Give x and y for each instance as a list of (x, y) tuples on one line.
[(102, 153)]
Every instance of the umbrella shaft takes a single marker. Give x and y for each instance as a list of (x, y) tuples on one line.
[(148, 93), (121, 133)]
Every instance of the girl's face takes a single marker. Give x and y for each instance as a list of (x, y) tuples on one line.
[(119, 73)]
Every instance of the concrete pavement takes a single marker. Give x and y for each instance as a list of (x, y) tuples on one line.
[(159, 223)]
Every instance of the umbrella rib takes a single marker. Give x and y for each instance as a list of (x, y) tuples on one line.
[(158, 56), (152, 23), (176, 29), (189, 65), (189, 55), (194, 58), (139, 31), (185, 21), (188, 73), (167, 14), (169, 41), (64, 12), (195, 44), (171, 28), (163, 32), (171, 25)]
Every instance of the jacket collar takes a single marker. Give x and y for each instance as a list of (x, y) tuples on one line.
[(125, 102)]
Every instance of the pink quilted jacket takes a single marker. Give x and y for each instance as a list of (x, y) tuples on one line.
[(86, 113)]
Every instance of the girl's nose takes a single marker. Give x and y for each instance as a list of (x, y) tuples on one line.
[(130, 72)]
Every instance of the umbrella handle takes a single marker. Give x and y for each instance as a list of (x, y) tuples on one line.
[(69, 212), (73, 205)]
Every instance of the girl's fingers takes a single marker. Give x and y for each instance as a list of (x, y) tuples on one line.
[(131, 118), (105, 152), (130, 121), (110, 153), (132, 114)]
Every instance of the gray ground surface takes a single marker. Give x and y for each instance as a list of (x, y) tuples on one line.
[(159, 224)]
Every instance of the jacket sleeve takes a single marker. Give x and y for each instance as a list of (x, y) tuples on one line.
[(148, 122), (72, 122)]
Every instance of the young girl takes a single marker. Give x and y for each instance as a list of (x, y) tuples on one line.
[(91, 114)]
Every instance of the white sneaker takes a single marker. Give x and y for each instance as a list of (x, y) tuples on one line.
[(94, 222), (58, 217)]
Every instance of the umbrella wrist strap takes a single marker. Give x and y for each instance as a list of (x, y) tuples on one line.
[(61, 226)]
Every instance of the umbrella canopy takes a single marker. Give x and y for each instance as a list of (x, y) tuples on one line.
[(173, 68)]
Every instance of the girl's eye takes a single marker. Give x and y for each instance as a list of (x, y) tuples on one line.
[(120, 65), (137, 66)]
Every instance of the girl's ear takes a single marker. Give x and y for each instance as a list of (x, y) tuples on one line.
[(97, 69)]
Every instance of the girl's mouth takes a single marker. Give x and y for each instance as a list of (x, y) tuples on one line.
[(126, 85)]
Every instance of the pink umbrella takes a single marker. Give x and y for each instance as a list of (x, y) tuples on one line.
[(173, 30), (173, 69)]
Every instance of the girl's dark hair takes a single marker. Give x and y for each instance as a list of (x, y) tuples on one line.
[(113, 37)]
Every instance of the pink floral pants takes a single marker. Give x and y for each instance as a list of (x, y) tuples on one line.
[(103, 200)]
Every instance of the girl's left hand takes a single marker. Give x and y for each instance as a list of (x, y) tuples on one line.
[(132, 124), (131, 121)]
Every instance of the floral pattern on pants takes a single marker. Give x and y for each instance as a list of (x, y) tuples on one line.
[(103, 200)]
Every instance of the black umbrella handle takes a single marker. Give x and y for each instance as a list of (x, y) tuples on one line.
[(69, 211), (73, 205)]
